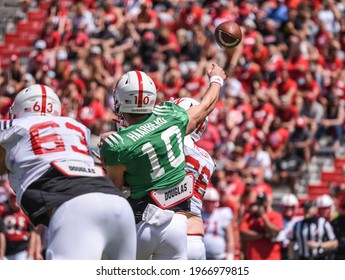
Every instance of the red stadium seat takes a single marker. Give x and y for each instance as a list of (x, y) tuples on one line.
[(34, 27), (44, 5), (339, 163), (37, 15)]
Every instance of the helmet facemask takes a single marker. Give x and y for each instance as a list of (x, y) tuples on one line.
[(119, 119)]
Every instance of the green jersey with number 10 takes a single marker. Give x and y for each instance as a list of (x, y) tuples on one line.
[(151, 150)]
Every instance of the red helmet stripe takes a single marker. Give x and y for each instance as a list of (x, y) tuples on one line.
[(44, 100), (141, 89)]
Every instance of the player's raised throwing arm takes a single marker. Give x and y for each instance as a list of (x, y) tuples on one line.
[(199, 112)]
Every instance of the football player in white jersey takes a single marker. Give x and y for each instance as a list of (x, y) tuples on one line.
[(219, 237), (57, 183), (289, 204), (201, 165)]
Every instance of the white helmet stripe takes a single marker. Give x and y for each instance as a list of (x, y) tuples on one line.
[(44, 100)]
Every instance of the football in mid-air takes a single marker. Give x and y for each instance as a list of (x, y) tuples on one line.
[(228, 34)]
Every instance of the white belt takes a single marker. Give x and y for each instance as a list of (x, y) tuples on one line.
[(78, 168), (166, 198)]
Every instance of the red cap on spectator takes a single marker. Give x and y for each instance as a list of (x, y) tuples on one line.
[(40, 58), (45, 68), (300, 122), (148, 36)]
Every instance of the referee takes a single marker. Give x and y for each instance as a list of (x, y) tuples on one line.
[(313, 237)]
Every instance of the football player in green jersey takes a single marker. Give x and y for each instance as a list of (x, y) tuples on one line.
[(147, 156)]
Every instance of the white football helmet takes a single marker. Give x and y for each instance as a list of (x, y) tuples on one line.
[(211, 194), (186, 103), (325, 206), (135, 93), (324, 201), (36, 100), (289, 200)]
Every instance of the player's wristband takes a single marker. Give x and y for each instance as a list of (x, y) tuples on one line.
[(217, 79)]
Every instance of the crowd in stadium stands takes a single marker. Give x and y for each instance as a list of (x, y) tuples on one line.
[(285, 89)]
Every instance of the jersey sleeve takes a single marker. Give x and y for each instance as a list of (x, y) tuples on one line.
[(2, 227), (174, 110), (111, 151)]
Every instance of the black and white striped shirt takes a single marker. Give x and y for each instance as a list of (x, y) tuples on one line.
[(317, 229)]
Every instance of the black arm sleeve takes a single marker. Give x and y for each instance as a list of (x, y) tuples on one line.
[(2, 227)]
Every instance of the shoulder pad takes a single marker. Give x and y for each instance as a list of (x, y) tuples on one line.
[(5, 124)]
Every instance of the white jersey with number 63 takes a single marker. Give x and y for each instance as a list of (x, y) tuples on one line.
[(33, 142)]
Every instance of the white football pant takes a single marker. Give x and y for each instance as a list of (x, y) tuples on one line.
[(195, 248), (90, 225), (163, 242)]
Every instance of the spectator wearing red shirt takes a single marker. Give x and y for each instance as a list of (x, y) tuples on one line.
[(51, 36), (310, 86), (190, 15), (259, 226), (249, 37), (76, 42), (111, 14), (322, 38), (245, 10), (274, 64), (193, 82), (263, 113), (276, 139), (297, 65), (5, 105), (172, 84), (232, 188), (91, 112), (224, 11), (284, 86), (260, 51), (287, 112), (261, 187), (330, 61), (147, 18)]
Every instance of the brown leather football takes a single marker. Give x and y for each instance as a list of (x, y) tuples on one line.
[(228, 34)]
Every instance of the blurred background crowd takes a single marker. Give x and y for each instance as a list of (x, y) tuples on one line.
[(282, 104)]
